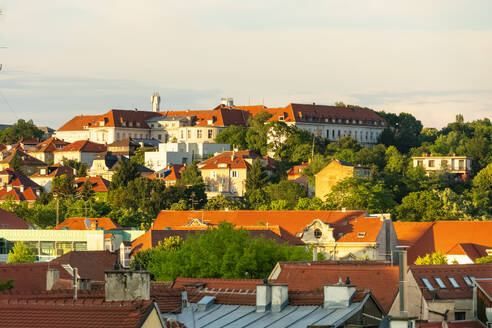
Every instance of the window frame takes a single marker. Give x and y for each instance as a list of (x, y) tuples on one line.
[(428, 284)]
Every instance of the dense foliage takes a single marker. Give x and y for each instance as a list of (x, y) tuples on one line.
[(21, 254), (20, 130), (223, 252)]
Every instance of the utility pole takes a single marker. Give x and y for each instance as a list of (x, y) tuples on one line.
[(57, 210)]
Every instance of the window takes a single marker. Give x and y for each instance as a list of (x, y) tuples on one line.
[(427, 284), (420, 162), (440, 283), (188, 133), (63, 247), (468, 281), (361, 235), (117, 136), (453, 282), (210, 133), (213, 174), (317, 233), (339, 133), (182, 134), (80, 246), (234, 174), (431, 163), (198, 134), (460, 315), (461, 164), (159, 137), (48, 248)]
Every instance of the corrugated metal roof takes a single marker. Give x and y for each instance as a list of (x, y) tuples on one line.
[(220, 315)]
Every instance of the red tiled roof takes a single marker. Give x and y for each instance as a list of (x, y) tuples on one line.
[(485, 285), (219, 116), (99, 184), (215, 283), (456, 271), (347, 224), (10, 221), (297, 169), (55, 171), (79, 224), (84, 146), (232, 159), (17, 179), (91, 264), (174, 175), (379, 277), (445, 236), (48, 146), (24, 158), (28, 277), (16, 195), (69, 313)]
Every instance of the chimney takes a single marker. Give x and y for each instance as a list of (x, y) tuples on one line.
[(402, 273), (52, 276), (93, 225), (126, 285), (263, 297), (338, 295), (280, 297)]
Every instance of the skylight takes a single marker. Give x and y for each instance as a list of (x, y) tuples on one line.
[(468, 281), (453, 282), (440, 282), (427, 284)]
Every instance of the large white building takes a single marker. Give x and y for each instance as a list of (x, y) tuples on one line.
[(201, 126)]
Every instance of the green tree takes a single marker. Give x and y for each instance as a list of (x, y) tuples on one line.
[(306, 203), (403, 131), (63, 186), (484, 259), (80, 168), (20, 130), (139, 155), (21, 254), (257, 134), (222, 202), (482, 189), (86, 193), (131, 218), (287, 191), (7, 285), (15, 163), (257, 177), (126, 172), (191, 175), (435, 258), (223, 252), (234, 135), (360, 194), (182, 205), (318, 163)]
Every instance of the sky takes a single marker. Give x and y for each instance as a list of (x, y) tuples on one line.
[(430, 58)]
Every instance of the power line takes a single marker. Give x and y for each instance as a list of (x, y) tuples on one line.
[(8, 105)]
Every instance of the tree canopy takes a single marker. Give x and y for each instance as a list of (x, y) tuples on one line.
[(21, 254)]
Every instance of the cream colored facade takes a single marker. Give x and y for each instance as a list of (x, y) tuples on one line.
[(225, 180), (104, 134), (47, 157), (99, 168), (454, 164), (84, 157), (335, 172), (181, 129)]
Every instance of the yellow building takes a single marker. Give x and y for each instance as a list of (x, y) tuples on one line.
[(334, 172)]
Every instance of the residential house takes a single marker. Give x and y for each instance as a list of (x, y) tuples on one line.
[(335, 172), (253, 303), (125, 147), (457, 165), (226, 172), (181, 153), (482, 299), (115, 125), (31, 278), (295, 174), (91, 265), (10, 221), (87, 224), (27, 163), (45, 150), (100, 186), (442, 292), (47, 132), (337, 234), (83, 151), (170, 174), (28, 144), (461, 241), (106, 164), (17, 187), (44, 177)]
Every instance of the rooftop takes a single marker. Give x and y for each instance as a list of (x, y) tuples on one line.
[(10, 221), (87, 224)]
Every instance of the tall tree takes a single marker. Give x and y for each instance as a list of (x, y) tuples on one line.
[(126, 172), (21, 254), (20, 130), (191, 175), (235, 135)]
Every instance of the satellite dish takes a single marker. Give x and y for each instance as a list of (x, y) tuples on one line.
[(87, 223)]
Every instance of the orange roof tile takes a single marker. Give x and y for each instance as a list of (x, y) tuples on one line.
[(349, 223), (49, 145), (444, 236), (85, 146), (379, 277), (80, 224), (99, 184)]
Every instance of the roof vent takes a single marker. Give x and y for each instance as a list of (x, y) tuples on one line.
[(205, 303)]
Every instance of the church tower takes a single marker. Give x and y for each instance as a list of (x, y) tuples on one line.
[(156, 102)]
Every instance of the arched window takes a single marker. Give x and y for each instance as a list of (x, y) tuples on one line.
[(317, 233)]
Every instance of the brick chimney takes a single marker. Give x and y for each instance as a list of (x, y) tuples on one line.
[(126, 285)]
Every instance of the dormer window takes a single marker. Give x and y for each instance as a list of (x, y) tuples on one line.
[(427, 284), (440, 283), (453, 282), (361, 235), (317, 233), (281, 118)]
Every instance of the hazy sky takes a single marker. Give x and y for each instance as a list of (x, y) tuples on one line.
[(67, 57)]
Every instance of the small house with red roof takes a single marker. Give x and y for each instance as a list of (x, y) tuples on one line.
[(15, 186), (105, 165), (44, 177), (346, 235), (26, 162), (87, 224), (170, 174), (226, 172), (83, 151), (45, 150), (461, 241), (100, 186)]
